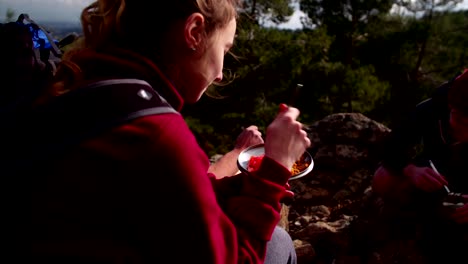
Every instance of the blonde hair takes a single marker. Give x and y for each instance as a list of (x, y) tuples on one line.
[(137, 25), (122, 22)]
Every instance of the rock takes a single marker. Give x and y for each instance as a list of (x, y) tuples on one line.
[(304, 251), (328, 200), (346, 140)]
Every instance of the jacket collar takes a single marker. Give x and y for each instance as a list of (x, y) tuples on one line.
[(122, 63)]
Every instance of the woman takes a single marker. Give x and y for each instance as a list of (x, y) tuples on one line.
[(141, 192)]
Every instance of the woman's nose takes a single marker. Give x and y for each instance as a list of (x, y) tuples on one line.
[(219, 77)]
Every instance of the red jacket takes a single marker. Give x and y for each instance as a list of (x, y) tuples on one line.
[(140, 192)]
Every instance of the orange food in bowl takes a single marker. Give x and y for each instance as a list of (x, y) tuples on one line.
[(299, 165)]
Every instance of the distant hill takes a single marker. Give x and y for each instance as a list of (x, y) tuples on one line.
[(61, 29)]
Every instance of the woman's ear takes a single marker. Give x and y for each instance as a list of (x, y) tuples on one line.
[(194, 31)]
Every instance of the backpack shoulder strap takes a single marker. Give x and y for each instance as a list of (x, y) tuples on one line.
[(86, 112), (118, 100), (102, 105)]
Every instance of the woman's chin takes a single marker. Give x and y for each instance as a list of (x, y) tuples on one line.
[(192, 100)]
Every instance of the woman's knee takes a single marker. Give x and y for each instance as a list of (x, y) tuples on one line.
[(280, 249)]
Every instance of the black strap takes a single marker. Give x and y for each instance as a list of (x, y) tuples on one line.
[(84, 113)]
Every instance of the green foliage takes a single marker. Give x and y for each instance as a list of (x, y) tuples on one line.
[(414, 55), (276, 11), (10, 15), (380, 69), (352, 56), (342, 16), (364, 88), (208, 138), (427, 5), (344, 89), (447, 48)]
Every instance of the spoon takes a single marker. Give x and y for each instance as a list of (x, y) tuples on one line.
[(435, 169)]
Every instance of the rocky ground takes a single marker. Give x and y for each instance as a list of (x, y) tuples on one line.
[(333, 217)]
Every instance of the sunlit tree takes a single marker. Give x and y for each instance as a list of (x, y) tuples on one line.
[(10, 15), (425, 9), (276, 11)]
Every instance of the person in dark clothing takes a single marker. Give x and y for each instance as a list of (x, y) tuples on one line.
[(23, 75), (425, 164)]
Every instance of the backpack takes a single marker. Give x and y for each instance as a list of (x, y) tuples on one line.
[(52, 129), (29, 61), (25, 67), (55, 128), (45, 47)]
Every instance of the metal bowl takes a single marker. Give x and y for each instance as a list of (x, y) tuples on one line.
[(452, 205), (257, 150)]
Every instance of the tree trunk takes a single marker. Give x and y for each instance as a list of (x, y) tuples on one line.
[(422, 50)]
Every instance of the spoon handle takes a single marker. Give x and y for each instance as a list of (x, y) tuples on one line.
[(435, 169)]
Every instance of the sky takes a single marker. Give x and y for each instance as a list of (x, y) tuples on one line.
[(69, 10), (295, 20), (46, 10)]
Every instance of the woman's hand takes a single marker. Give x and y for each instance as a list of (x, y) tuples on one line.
[(425, 178), (461, 214), (286, 141), (227, 164), (248, 137)]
